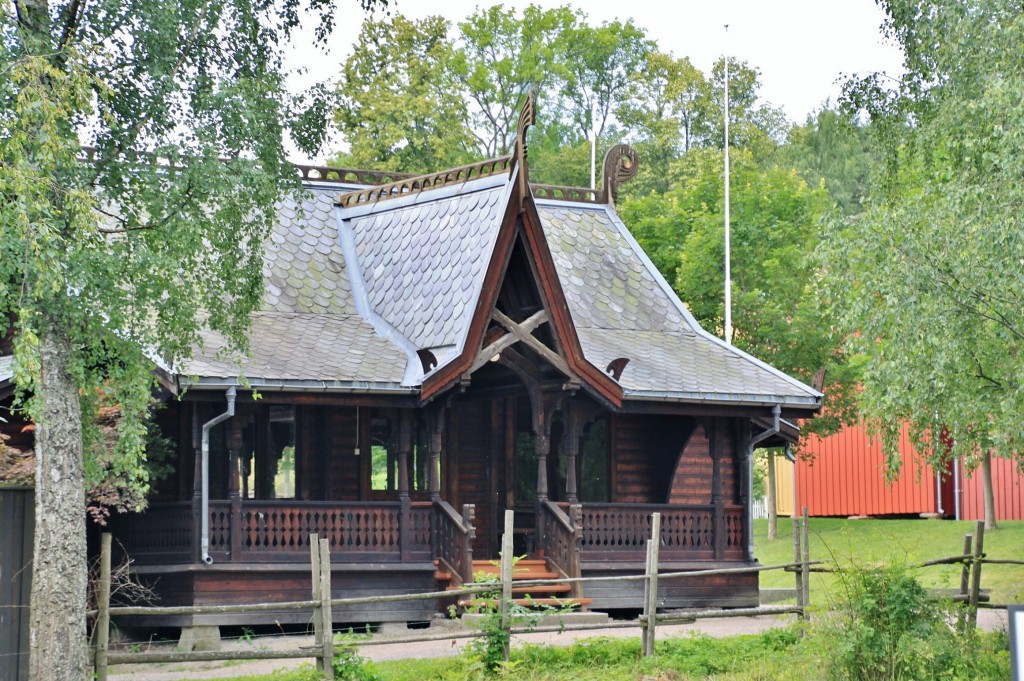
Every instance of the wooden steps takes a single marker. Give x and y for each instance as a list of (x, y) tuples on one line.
[(527, 569)]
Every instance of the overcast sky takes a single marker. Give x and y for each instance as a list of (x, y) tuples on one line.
[(802, 47)]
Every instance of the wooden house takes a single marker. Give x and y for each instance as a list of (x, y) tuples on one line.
[(432, 351), (843, 475)]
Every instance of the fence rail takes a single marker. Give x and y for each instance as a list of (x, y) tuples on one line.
[(321, 604)]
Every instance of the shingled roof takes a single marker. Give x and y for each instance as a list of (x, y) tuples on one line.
[(354, 288)]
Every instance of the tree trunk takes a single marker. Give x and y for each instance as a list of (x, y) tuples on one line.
[(773, 514), (990, 497), (57, 638)]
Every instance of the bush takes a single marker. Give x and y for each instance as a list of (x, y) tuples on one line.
[(887, 628)]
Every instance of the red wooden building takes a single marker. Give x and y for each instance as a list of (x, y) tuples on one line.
[(844, 475)]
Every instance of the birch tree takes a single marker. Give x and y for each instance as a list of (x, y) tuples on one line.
[(113, 255)]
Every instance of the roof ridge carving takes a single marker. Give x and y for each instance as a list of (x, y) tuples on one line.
[(420, 183)]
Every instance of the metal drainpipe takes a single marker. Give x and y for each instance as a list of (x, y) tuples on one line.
[(204, 542), (760, 437), (956, 488)]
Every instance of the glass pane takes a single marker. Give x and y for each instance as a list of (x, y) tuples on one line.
[(281, 483), (593, 479), (380, 475)]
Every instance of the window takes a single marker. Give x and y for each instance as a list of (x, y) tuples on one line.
[(593, 462), (268, 462), (384, 457)]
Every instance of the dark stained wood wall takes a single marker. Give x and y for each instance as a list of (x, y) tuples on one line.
[(343, 469), (644, 450), (691, 479), (469, 460), (274, 583)]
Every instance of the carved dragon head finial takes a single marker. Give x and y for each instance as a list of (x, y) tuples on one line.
[(620, 165), (527, 117)]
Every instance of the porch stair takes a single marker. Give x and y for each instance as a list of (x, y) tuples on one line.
[(556, 595)]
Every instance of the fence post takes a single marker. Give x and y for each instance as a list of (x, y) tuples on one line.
[(506, 576), (979, 544), (805, 567), (797, 558), (965, 581), (318, 634), (103, 604), (325, 609), (651, 583)]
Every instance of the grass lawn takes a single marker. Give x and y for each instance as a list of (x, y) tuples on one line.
[(779, 655), (906, 542)]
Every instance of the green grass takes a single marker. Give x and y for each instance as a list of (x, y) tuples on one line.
[(780, 655), (906, 542)]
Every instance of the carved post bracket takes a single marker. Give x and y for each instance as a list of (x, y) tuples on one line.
[(468, 520), (575, 570)]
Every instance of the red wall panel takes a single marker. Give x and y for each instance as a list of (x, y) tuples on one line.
[(1007, 486), (846, 476)]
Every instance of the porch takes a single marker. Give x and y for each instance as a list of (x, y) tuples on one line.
[(411, 546)]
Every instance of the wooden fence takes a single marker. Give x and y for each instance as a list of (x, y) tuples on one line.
[(321, 606), (17, 524)]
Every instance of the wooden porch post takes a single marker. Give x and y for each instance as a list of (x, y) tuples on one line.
[(235, 521), (404, 446), (436, 437), (715, 451), (405, 427), (542, 446), (197, 483), (746, 461), (572, 446)]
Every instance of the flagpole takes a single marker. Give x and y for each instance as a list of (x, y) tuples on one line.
[(728, 253)]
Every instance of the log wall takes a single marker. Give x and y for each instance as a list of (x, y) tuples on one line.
[(644, 449)]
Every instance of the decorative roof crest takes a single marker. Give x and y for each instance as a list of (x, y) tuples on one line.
[(527, 117), (620, 165)]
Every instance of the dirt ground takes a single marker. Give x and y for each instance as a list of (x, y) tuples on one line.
[(446, 645)]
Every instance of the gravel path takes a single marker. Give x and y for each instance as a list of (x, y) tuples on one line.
[(445, 647)]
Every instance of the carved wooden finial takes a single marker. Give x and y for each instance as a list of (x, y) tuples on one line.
[(527, 117), (616, 366), (620, 165), (818, 382)]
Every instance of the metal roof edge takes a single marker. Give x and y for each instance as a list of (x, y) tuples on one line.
[(694, 326), (548, 201), (413, 374), (296, 385), (734, 399)]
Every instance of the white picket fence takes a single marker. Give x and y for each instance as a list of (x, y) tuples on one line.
[(760, 508)]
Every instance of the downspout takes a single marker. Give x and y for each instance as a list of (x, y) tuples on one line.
[(956, 488), (760, 437), (204, 541)]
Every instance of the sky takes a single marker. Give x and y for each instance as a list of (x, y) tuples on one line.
[(802, 47)]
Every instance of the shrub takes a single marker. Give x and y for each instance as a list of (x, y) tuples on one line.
[(888, 628)]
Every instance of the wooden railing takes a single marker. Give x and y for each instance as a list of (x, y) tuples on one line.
[(560, 539), (453, 536), (169, 538), (243, 531), (620, 531)]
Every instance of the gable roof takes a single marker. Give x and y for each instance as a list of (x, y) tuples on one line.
[(307, 333), (356, 286), (418, 262), (623, 307)]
